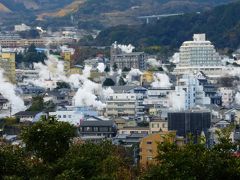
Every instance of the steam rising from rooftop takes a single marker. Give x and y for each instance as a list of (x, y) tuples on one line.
[(7, 90), (161, 81), (124, 48), (154, 62)]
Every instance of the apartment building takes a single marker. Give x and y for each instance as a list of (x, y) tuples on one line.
[(149, 145), (7, 64), (130, 60), (122, 104)]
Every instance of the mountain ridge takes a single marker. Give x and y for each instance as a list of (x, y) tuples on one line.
[(222, 26)]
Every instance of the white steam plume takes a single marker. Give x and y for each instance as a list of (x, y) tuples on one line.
[(132, 73), (101, 67), (88, 91), (49, 73), (126, 48), (87, 95), (177, 100), (237, 98), (161, 81), (175, 58), (8, 91), (153, 62)]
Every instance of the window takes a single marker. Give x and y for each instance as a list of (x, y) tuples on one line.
[(69, 116), (149, 142), (149, 158), (149, 151), (64, 116), (59, 116)]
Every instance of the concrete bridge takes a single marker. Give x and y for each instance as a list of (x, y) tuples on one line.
[(147, 18)]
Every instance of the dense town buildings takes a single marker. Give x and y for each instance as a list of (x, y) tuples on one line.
[(143, 103)]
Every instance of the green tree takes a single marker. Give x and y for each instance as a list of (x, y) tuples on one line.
[(61, 85), (115, 67), (107, 69), (195, 161), (12, 162), (48, 139), (125, 69), (96, 161), (121, 81), (31, 56), (37, 104), (108, 82)]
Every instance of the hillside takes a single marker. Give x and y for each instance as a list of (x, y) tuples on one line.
[(222, 26), (96, 14), (4, 9), (33, 5), (70, 8), (115, 12)]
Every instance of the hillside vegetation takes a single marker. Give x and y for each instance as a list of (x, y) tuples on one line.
[(222, 26), (108, 13), (96, 14), (4, 9), (33, 5)]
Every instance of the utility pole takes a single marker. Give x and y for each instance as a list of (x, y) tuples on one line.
[(10, 109)]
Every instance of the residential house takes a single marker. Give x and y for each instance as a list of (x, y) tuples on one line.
[(97, 128), (30, 116)]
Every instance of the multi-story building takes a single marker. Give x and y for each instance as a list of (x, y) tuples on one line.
[(157, 125), (26, 74), (149, 146), (73, 115), (16, 41), (189, 122), (198, 52), (7, 64), (67, 57), (129, 60), (209, 89), (188, 93), (227, 96), (157, 98), (134, 130), (125, 104), (199, 55), (97, 128)]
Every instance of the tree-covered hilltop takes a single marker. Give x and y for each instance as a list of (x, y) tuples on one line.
[(222, 26)]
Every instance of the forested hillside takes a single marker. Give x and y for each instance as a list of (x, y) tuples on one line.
[(94, 14), (222, 26)]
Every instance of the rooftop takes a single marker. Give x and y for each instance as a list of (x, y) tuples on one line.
[(97, 123)]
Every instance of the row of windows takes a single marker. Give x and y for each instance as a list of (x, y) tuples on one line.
[(64, 116)]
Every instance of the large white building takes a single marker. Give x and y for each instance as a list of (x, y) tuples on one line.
[(158, 98), (199, 55), (21, 27), (188, 93)]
